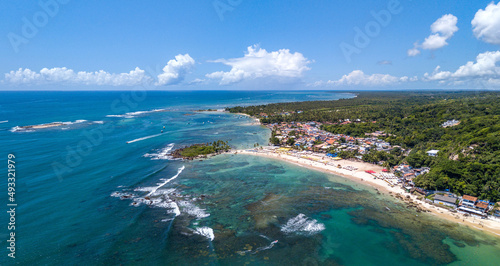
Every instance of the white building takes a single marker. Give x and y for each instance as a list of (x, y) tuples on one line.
[(433, 153)]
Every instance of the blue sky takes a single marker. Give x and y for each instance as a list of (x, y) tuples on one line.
[(243, 44)]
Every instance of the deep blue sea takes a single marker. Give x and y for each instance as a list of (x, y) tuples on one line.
[(101, 189)]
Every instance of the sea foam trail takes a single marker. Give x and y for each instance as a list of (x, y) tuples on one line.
[(4, 121), (148, 137), (179, 171)]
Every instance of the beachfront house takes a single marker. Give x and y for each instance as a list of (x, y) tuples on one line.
[(433, 153), (445, 200), (473, 212), (468, 201), (482, 206), (497, 210)]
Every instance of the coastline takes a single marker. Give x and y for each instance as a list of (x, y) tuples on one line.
[(360, 176)]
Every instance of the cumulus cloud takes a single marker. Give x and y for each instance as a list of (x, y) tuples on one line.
[(414, 51), (173, 73), (175, 70), (359, 78), (442, 30), (64, 75), (258, 63), (485, 68), (486, 24), (445, 25), (434, 41)]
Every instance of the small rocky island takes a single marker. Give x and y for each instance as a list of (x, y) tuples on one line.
[(201, 150), (53, 124)]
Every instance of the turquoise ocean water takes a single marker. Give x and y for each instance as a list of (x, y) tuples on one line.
[(87, 197)]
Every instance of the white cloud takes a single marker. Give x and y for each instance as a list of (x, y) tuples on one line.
[(64, 75), (486, 24), (434, 41), (445, 25), (197, 81), (485, 68), (414, 51), (173, 73), (442, 30), (494, 82), (175, 70), (359, 78), (258, 63)]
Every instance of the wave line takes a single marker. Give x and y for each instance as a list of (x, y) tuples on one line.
[(179, 171)]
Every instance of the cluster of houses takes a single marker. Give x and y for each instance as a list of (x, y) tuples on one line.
[(309, 136), (468, 204), (465, 204), (407, 173)]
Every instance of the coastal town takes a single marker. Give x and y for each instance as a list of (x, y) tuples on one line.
[(309, 142)]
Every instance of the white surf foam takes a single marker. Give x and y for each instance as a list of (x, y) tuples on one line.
[(144, 138), (6, 121), (163, 154), (206, 232), (179, 171), (121, 116), (193, 210), (134, 114), (302, 224), (174, 209), (98, 122), (123, 195)]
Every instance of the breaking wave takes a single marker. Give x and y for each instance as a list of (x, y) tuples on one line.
[(206, 232), (138, 113), (179, 171), (303, 225), (163, 154), (193, 210)]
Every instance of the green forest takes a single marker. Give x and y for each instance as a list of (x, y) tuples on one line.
[(195, 150), (469, 157)]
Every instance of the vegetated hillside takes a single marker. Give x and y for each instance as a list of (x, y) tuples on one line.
[(469, 157)]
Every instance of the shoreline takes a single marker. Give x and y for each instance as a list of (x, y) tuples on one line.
[(359, 176)]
